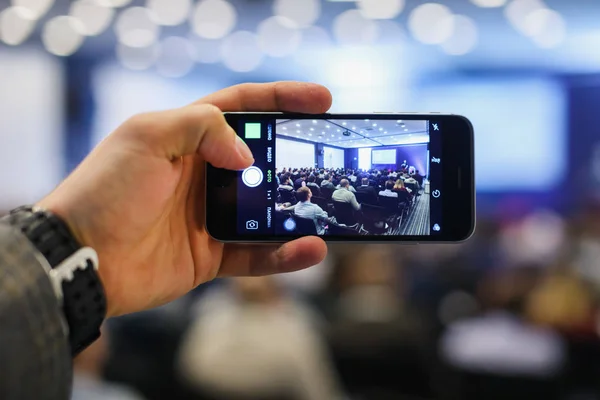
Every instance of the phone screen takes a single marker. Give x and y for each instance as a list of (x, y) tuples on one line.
[(351, 176)]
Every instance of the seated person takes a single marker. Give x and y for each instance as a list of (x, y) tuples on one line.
[(286, 183), (308, 210), (327, 182), (418, 177), (368, 191), (312, 185), (411, 180), (387, 192), (298, 183), (344, 195), (399, 187)]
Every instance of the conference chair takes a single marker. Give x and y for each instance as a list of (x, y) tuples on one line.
[(374, 219), (335, 229), (326, 192), (315, 190), (287, 196), (414, 187), (344, 213), (321, 202), (305, 226), (367, 198), (389, 203)]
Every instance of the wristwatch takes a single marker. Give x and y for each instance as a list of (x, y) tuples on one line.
[(72, 270)]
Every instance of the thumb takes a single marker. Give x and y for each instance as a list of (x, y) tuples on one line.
[(195, 129)]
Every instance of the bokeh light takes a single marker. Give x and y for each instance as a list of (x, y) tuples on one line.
[(213, 19), (137, 58), (352, 28), (170, 12), (489, 3), (464, 36), (37, 8), (380, 9), (16, 24), (115, 3), (240, 51), (94, 16), (547, 28), (304, 13), (206, 51), (175, 57), (278, 36), (63, 35), (136, 27), (431, 23), (517, 12)]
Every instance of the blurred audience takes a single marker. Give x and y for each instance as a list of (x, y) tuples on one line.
[(88, 381), (251, 341)]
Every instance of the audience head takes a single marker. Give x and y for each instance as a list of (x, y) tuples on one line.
[(389, 185), (311, 178), (344, 183), (399, 184), (303, 194), (365, 181), (327, 177)]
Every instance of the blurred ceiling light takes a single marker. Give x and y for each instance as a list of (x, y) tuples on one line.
[(213, 19), (431, 23), (37, 7), (315, 40), (352, 28), (137, 58), (304, 13), (240, 52), (517, 12), (278, 36), (135, 27), (16, 24), (380, 9), (489, 3), (170, 12), (206, 51), (115, 3), (175, 57), (94, 15), (391, 33), (547, 28), (63, 35), (464, 36)]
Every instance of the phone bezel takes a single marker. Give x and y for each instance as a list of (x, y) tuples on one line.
[(458, 188)]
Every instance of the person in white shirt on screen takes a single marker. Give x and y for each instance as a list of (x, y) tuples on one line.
[(389, 185), (308, 210), (344, 195)]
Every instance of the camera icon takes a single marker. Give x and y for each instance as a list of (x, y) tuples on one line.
[(251, 225)]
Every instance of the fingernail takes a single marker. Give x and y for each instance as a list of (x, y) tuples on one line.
[(243, 149)]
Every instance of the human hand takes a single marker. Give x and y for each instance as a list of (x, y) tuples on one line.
[(137, 199)]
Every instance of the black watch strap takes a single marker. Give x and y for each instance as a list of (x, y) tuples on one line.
[(73, 272)]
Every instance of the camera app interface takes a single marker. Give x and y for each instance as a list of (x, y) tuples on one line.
[(341, 177)]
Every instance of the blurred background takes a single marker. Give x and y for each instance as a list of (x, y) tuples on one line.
[(513, 313)]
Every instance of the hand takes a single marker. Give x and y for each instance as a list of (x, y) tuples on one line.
[(137, 199)]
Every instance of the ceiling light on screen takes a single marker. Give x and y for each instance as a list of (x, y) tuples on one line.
[(374, 124), (314, 121), (310, 134), (327, 126), (338, 130), (298, 125), (405, 130), (353, 128), (343, 123)]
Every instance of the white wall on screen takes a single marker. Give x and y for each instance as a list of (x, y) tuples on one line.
[(364, 158), (31, 142), (289, 153), (333, 158), (519, 127)]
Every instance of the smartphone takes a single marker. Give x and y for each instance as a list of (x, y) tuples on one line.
[(347, 178)]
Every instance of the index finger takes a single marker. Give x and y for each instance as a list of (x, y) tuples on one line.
[(298, 97)]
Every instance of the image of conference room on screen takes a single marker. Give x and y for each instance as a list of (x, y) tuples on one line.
[(352, 177)]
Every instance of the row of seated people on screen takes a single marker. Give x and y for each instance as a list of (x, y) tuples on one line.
[(331, 177), (391, 204)]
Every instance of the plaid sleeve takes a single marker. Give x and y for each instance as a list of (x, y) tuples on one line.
[(35, 360)]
